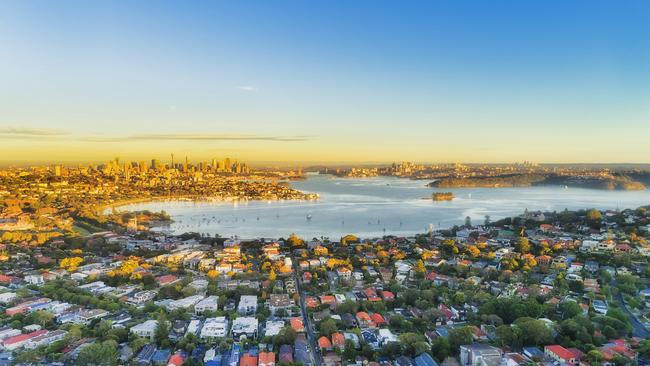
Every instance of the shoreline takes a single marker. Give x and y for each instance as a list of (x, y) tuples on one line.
[(188, 198), (328, 220)]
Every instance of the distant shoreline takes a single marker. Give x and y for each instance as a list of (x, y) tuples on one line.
[(520, 181), (532, 180)]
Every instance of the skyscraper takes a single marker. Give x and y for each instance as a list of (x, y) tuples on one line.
[(227, 165)]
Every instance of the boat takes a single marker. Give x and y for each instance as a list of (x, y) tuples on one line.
[(308, 216)]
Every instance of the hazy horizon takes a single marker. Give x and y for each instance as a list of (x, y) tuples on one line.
[(324, 164)]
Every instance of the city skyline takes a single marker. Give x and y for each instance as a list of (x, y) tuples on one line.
[(335, 82)]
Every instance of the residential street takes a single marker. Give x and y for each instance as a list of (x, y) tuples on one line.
[(309, 328)]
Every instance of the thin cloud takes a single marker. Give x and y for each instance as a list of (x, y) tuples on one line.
[(20, 133), (196, 137), (248, 88), (23, 131)]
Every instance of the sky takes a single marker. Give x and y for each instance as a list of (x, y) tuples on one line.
[(331, 81)]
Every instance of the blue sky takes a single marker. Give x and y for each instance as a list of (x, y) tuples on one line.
[(330, 81)]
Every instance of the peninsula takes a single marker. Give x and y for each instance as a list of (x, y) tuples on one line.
[(507, 175), (607, 182)]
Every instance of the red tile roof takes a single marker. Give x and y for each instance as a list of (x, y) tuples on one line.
[(166, 279), (324, 342), (177, 360), (23, 337), (327, 299), (377, 318), (338, 339), (560, 351), (311, 302), (248, 360), (297, 324), (362, 315), (266, 358)]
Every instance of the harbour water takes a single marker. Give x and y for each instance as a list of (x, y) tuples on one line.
[(373, 207)]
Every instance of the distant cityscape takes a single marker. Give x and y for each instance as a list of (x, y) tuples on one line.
[(226, 165), (42, 202)]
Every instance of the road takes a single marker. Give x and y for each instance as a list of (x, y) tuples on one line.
[(309, 327), (638, 330)]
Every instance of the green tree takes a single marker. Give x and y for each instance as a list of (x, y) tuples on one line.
[(349, 352), (627, 284), (420, 347), (576, 331), (594, 215), (347, 307), (409, 342), (595, 357), (286, 336), (327, 327), (98, 354), (391, 349), (510, 309), (32, 356), (644, 348), (41, 317), (507, 335), (459, 337), (118, 335), (576, 286), (569, 309), (534, 332), (440, 348), (161, 334), (459, 298), (137, 343), (102, 329), (74, 333), (396, 322)]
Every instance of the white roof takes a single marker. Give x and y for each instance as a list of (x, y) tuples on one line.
[(185, 302), (149, 325), (273, 327), (245, 324), (209, 301)]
